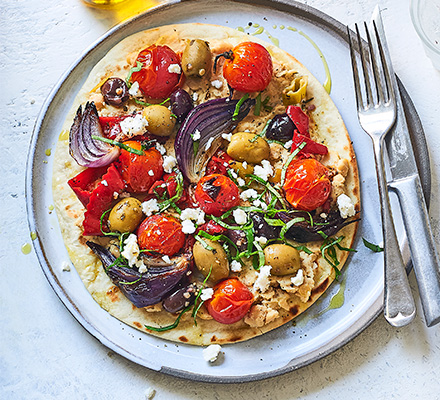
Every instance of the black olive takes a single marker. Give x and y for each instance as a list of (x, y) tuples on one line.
[(238, 237), (115, 91), (262, 228), (280, 128), (180, 299), (181, 104)]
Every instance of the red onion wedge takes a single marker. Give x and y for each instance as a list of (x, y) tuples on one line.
[(86, 151), (208, 121)]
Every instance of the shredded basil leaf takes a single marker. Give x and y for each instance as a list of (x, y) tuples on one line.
[(289, 160), (237, 107), (119, 144), (287, 226), (130, 73), (172, 326), (257, 108), (143, 103), (203, 243), (262, 133), (261, 258), (373, 247)]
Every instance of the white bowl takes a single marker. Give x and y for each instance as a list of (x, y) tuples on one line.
[(425, 15)]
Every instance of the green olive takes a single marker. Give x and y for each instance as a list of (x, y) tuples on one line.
[(212, 259), (246, 146), (283, 259), (196, 58), (160, 120), (126, 215)]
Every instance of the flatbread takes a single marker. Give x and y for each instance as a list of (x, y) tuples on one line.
[(276, 306)]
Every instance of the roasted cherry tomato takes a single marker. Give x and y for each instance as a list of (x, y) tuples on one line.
[(219, 163), (307, 186), (140, 172), (161, 233), (168, 187), (248, 67), (156, 79), (216, 194), (230, 302)]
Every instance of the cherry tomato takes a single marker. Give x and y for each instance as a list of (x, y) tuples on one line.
[(161, 233), (248, 67), (307, 186), (168, 185), (140, 172), (219, 163), (216, 194), (230, 302), (155, 80)]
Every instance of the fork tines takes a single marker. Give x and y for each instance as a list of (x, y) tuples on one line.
[(373, 63)]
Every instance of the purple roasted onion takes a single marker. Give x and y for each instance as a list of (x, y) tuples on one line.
[(85, 150), (147, 288), (208, 121)]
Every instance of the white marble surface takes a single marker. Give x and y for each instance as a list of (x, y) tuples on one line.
[(46, 354)]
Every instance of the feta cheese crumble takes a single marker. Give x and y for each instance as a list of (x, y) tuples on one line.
[(207, 293), (131, 253), (161, 148), (167, 259), (104, 182), (264, 170), (169, 162), (188, 226), (261, 240), (288, 145), (196, 135), (149, 207), (134, 89), (174, 69), (211, 352), (195, 96), (132, 126), (151, 172), (235, 266), (260, 204), (65, 266), (346, 206), (209, 143), (241, 182), (239, 216), (217, 84), (298, 279), (194, 214), (262, 283), (227, 136), (248, 194)]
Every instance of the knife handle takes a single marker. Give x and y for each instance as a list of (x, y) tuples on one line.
[(424, 255), (399, 306)]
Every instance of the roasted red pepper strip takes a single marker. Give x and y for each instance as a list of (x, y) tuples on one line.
[(85, 182), (110, 126), (212, 228), (101, 200), (218, 164), (311, 146), (300, 119)]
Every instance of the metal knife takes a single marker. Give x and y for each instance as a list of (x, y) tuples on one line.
[(406, 184)]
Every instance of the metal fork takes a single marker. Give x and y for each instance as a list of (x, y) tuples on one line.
[(376, 106)]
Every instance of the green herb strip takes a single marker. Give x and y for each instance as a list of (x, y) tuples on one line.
[(287, 226), (130, 73), (143, 103), (203, 243), (262, 133), (172, 201), (237, 107), (269, 187), (173, 325), (374, 247), (257, 108), (289, 160), (261, 259), (197, 308), (119, 144)]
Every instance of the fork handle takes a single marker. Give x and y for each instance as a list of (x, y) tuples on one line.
[(399, 306), (424, 254)]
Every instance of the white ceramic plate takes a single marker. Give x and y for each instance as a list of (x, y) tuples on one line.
[(314, 334)]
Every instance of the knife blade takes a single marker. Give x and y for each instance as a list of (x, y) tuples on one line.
[(406, 184)]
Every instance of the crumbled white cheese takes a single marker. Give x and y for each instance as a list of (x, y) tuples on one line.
[(134, 89), (260, 204), (245, 164), (288, 144), (167, 259), (298, 279), (227, 136), (239, 216), (264, 170), (206, 294), (241, 182), (169, 162), (235, 266), (115, 195), (208, 144), (346, 206), (132, 126), (150, 393), (195, 96), (131, 252), (174, 69), (261, 240), (323, 215), (149, 207), (151, 172), (104, 182), (188, 226), (196, 135), (194, 214), (211, 352), (234, 174), (217, 84), (262, 283), (161, 148), (65, 266), (248, 194)]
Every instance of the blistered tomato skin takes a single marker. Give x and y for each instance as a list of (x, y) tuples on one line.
[(140, 172), (248, 68), (162, 234), (156, 79), (307, 185), (216, 194), (230, 302)]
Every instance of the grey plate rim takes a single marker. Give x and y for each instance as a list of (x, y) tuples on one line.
[(290, 7)]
